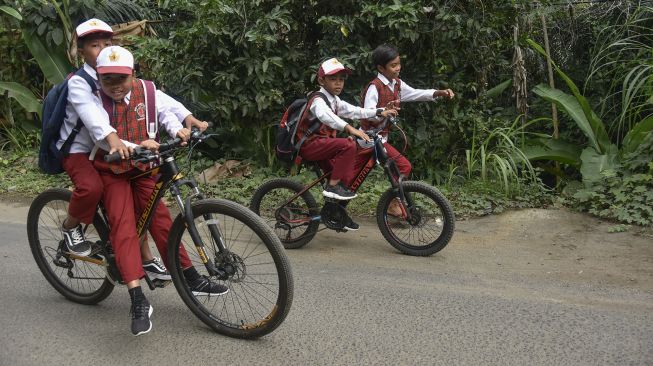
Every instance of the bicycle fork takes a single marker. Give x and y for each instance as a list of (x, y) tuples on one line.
[(405, 203), (187, 213)]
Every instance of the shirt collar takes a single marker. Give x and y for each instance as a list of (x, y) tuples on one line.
[(330, 97), (385, 80), (91, 71)]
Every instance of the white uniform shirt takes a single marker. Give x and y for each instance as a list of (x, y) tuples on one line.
[(330, 116), (406, 94), (84, 105), (167, 109)]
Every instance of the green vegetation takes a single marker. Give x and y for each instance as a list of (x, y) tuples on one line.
[(496, 146)]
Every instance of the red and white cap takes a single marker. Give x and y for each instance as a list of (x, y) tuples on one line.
[(330, 67), (115, 60), (93, 26)]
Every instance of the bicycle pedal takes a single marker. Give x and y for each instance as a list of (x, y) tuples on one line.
[(161, 283)]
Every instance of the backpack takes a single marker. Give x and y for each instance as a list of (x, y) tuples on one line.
[(287, 147), (54, 113)]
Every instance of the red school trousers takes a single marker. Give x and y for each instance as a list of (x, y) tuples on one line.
[(331, 154), (120, 195), (363, 156), (88, 186), (161, 220)]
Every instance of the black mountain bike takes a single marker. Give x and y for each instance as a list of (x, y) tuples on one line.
[(224, 240), (424, 227)]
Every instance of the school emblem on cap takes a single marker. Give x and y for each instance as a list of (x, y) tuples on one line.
[(93, 23), (114, 56), (335, 61), (140, 111)]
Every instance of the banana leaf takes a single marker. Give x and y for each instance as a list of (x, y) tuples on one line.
[(53, 62), (568, 104), (636, 135), (549, 149), (23, 96), (595, 165), (592, 123)]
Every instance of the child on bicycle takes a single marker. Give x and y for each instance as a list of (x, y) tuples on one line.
[(388, 90), (334, 154), (124, 96), (84, 104)]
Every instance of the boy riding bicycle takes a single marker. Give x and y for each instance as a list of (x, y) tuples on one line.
[(331, 153), (125, 97), (388, 90), (83, 104)]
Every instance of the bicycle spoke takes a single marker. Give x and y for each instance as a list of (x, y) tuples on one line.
[(253, 277)]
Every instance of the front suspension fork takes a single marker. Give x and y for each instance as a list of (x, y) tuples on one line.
[(187, 212), (405, 202)]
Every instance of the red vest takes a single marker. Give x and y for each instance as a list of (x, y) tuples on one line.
[(306, 121), (385, 96), (129, 122)]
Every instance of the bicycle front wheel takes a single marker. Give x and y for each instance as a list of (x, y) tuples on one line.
[(430, 225), (295, 223), (259, 277), (80, 280)]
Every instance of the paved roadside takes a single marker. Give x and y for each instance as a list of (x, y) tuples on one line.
[(530, 287)]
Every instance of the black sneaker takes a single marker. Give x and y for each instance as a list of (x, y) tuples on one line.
[(156, 270), (339, 192), (75, 242), (350, 225), (141, 311), (204, 287)]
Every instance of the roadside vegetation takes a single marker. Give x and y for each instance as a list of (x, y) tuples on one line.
[(554, 100)]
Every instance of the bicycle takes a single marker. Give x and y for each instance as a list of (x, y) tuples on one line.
[(228, 243), (425, 226)]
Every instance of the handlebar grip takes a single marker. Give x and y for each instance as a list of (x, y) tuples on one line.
[(113, 158), (169, 145)]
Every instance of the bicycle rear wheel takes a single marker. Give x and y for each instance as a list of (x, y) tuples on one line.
[(293, 223), (78, 280), (430, 227), (260, 280)]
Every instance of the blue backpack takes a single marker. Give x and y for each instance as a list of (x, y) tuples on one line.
[(54, 113)]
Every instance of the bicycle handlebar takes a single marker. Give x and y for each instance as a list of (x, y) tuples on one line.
[(146, 155), (373, 132)]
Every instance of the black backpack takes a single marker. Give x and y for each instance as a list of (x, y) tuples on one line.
[(287, 147), (54, 113)]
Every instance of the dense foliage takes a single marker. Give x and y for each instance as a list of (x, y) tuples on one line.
[(239, 63)]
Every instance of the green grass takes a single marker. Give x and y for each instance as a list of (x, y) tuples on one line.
[(19, 175)]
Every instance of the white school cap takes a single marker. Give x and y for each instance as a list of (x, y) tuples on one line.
[(93, 26), (330, 67), (115, 60)]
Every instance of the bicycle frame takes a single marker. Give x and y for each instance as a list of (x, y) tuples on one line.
[(170, 179), (379, 156)]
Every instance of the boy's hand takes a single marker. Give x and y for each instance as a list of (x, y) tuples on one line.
[(116, 145), (393, 105), (150, 145), (358, 133), (183, 134), (191, 121), (446, 93), (389, 112)]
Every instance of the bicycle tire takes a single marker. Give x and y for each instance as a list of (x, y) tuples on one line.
[(260, 292), (277, 191), (44, 219), (398, 232)]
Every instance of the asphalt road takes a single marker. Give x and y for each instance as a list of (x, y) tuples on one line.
[(487, 299)]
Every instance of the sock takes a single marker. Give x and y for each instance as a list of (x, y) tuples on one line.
[(191, 274), (136, 293)]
